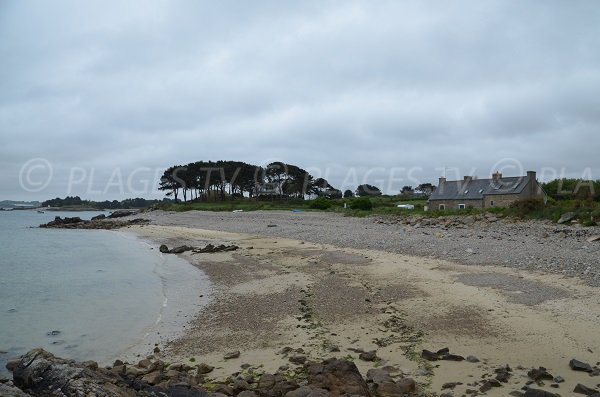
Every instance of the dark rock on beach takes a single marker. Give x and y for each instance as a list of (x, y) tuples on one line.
[(583, 389), (41, 374), (122, 213), (577, 365), (539, 393)]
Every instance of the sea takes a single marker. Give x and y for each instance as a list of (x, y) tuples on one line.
[(89, 294)]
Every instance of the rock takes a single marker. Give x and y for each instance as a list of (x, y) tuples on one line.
[(267, 381), (11, 365), (582, 389), (539, 393), (368, 356), (577, 365), (152, 378), (339, 377), (559, 379), (164, 249), (593, 238), (407, 385), (566, 217), (134, 371), (224, 389), (247, 393), (203, 368), (377, 376), (299, 360), (145, 363), (472, 359), (211, 249), (232, 355), (303, 391), (318, 393), (180, 250), (11, 391), (450, 385), (240, 385), (488, 384), (90, 364), (453, 357), (122, 213), (503, 374), (428, 355), (171, 374), (282, 386), (539, 374), (41, 372), (98, 217)]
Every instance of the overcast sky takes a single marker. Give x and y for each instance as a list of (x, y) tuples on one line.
[(96, 98)]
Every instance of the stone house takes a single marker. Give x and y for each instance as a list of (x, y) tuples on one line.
[(497, 191)]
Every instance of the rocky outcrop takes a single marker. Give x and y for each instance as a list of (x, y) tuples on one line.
[(122, 213), (40, 374), (95, 223), (208, 249)]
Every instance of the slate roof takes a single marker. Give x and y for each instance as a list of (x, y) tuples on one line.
[(476, 189)]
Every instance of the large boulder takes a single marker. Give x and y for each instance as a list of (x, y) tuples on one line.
[(339, 377), (40, 372), (566, 217)]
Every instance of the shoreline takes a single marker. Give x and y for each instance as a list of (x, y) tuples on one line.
[(279, 304), (426, 303), (180, 283)]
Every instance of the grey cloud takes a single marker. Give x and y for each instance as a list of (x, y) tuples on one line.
[(332, 86)]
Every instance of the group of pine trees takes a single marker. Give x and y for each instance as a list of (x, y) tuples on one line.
[(220, 180)]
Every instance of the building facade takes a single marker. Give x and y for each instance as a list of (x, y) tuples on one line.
[(497, 191)]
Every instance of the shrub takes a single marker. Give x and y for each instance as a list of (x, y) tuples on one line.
[(320, 203), (527, 207), (362, 203)]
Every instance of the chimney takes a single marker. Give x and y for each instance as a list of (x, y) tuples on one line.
[(496, 176), (441, 181), (467, 178), (533, 186)]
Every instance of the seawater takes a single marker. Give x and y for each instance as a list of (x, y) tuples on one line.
[(88, 294)]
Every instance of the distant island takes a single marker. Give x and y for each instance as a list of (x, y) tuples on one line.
[(10, 204)]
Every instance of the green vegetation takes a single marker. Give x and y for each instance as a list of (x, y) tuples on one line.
[(361, 203), (320, 203), (74, 202)]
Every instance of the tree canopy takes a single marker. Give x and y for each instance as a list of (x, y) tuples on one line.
[(367, 190)]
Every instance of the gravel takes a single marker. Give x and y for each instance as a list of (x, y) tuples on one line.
[(532, 245)]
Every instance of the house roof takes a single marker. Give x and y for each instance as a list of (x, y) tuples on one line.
[(476, 189)]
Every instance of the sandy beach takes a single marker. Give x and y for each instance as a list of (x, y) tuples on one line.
[(281, 300)]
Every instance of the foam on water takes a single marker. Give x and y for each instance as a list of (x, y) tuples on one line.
[(107, 294)]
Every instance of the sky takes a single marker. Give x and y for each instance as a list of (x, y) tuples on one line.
[(97, 98)]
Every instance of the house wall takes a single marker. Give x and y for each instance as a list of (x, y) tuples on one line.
[(435, 204), (531, 190)]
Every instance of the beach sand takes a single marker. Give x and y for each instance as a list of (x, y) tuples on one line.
[(276, 292)]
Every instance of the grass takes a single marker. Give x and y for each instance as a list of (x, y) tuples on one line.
[(587, 211)]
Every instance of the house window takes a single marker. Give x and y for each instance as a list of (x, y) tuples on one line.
[(461, 206), (492, 203), (442, 206)]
